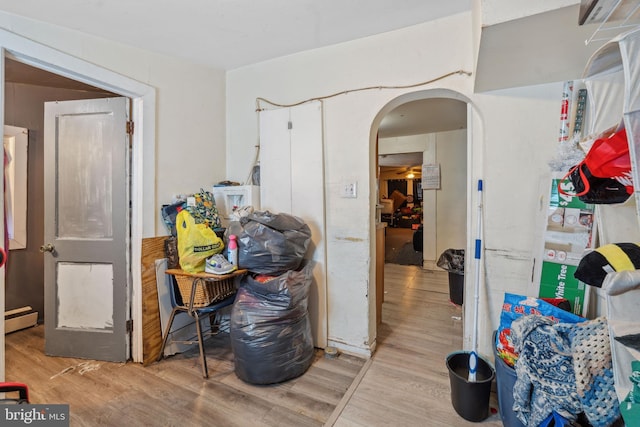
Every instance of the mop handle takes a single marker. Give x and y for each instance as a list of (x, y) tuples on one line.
[(473, 357)]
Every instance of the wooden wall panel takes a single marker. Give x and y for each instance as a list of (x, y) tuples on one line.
[(152, 249)]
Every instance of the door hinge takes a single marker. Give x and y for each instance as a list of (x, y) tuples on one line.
[(129, 325), (130, 127), (289, 125)]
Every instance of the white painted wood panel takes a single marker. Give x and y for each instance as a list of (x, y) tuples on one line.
[(292, 181), (275, 161), (79, 283)]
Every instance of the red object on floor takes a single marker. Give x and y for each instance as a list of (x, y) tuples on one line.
[(22, 389)]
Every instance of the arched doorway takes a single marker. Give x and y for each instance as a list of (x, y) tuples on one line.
[(442, 203)]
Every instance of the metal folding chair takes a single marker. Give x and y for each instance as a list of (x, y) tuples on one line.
[(195, 310)]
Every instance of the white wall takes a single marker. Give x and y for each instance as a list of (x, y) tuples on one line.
[(514, 132), (190, 115), (521, 128), (451, 198)]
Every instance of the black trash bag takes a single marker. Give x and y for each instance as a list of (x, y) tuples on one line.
[(452, 260), (271, 243), (270, 328)]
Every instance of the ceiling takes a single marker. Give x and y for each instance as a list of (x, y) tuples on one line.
[(398, 166), (402, 160), (228, 34), (424, 116), (17, 72)]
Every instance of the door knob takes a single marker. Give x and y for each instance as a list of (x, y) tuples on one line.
[(47, 248)]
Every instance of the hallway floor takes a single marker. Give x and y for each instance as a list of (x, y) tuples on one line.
[(407, 381)]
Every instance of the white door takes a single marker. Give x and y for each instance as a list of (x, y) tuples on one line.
[(292, 181), (86, 231)]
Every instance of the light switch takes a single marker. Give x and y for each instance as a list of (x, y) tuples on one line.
[(349, 190)]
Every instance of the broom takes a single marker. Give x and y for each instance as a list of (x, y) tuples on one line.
[(473, 357)]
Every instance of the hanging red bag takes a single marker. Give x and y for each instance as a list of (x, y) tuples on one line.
[(604, 176), (609, 157)]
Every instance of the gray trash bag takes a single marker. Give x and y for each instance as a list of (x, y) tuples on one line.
[(452, 260), (270, 328), (271, 243)]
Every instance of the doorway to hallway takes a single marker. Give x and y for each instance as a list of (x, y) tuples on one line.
[(443, 143), (143, 98)]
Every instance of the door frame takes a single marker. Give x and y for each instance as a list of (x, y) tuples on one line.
[(143, 112), (475, 149)]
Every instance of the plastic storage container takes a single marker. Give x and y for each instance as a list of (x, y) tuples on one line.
[(470, 399), (505, 380), (232, 254)]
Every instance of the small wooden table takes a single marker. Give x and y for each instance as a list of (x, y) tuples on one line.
[(205, 275)]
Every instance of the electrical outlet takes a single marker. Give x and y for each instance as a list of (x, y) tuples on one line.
[(349, 190)]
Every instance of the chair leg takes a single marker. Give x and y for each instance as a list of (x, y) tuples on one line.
[(166, 333), (203, 357), (214, 323)]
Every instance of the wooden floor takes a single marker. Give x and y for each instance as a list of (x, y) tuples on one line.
[(406, 382)]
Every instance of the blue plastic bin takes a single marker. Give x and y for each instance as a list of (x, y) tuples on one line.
[(505, 380)]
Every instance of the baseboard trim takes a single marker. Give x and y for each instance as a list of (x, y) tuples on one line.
[(15, 320), (353, 350), (429, 265)]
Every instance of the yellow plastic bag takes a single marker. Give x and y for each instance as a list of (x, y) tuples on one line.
[(196, 243)]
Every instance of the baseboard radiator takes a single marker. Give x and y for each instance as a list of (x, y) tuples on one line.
[(19, 318)]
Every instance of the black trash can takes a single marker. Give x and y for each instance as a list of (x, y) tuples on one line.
[(452, 260), (418, 239), (456, 288)]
